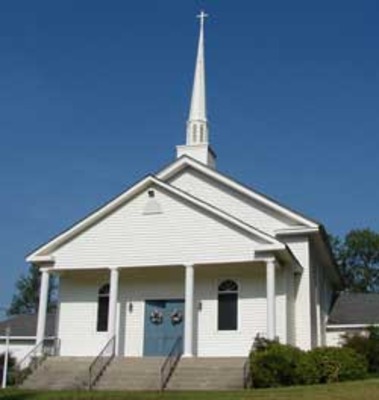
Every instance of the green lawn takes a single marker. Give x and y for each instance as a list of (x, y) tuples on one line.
[(359, 390)]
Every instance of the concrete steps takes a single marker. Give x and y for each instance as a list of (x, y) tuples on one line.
[(131, 373), (58, 373), (128, 373), (208, 374)]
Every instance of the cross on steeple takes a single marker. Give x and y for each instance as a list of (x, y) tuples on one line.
[(202, 17)]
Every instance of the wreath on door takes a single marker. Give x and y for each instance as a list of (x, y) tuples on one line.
[(156, 317), (176, 317)]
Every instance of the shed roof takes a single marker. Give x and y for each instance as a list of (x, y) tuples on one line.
[(26, 325), (355, 309)]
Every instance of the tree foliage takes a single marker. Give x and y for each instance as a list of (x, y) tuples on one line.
[(357, 255), (26, 298)]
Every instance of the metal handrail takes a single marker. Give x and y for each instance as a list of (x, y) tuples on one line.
[(101, 362), (29, 363), (171, 362), (247, 373)]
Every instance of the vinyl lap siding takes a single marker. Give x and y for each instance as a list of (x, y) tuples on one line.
[(300, 247), (181, 233), (78, 315), (252, 311), (333, 337), (78, 308), (230, 201), (291, 334)]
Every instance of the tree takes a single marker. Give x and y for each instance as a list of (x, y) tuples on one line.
[(26, 298), (358, 258)]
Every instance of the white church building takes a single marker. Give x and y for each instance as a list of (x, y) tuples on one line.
[(189, 253)]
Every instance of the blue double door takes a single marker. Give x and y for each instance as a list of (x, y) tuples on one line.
[(164, 322)]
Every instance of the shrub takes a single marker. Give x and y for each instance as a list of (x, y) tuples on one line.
[(367, 346), (307, 371), (336, 364), (274, 365)]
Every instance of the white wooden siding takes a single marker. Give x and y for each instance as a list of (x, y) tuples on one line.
[(179, 234), (252, 310), (300, 248), (78, 308), (313, 301), (291, 334), (78, 314), (232, 202), (333, 337), (18, 348)]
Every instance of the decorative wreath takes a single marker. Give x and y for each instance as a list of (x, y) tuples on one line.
[(176, 317), (156, 317)]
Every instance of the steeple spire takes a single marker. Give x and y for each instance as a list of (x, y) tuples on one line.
[(197, 138), (197, 127)]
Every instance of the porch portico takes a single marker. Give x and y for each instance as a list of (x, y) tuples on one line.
[(262, 288)]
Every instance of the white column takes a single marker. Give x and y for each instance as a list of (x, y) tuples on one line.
[(271, 298), (42, 307), (188, 314), (113, 295)]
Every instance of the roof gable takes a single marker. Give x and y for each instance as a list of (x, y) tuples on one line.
[(233, 197), (47, 250)]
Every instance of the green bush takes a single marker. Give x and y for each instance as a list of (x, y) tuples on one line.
[(274, 364), (307, 371), (367, 347), (335, 364)]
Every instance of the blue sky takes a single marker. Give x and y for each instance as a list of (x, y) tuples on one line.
[(94, 95)]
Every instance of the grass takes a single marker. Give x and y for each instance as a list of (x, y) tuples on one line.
[(358, 390)]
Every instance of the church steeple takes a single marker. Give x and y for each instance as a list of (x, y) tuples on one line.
[(197, 138), (197, 127)]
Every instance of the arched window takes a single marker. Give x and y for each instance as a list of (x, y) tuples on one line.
[(227, 305), (102, 308)]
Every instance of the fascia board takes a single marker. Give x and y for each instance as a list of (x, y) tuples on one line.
[(350, 326), (187, 161), (296, 231), (35, 257)]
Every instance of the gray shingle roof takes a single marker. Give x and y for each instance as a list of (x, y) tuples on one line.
[(355, 308), (26, 325)]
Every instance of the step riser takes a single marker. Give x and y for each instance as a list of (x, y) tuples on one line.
[(139, 374)]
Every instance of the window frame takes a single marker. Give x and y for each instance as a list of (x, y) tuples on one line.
[(237, 317), (102, 322)]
